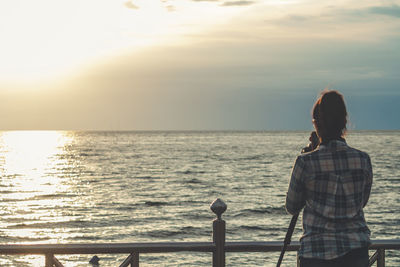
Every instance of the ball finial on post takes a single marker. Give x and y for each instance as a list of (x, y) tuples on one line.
[(218, 207)]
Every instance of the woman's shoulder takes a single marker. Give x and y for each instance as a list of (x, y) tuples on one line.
[(359, 152), (310, 156)]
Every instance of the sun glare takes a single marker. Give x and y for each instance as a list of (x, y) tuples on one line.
[(27, 159), (46, 40)]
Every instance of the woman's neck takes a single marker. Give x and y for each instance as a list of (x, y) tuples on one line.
[(326, 140)]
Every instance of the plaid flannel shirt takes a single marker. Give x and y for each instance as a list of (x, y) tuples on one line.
[(333, 184)]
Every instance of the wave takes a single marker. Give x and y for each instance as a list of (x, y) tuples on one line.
[(183, 231), (88, 238), (155, 203), (37, 197), (266, 210), (193, 181), (52, 196), (253, 157), (254, 228), (125, 208), (145, 177), (191, 172), (76, 224), (52, 225), (17, 239)]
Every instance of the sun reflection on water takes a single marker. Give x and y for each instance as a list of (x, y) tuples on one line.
[(31, 152), (28, 164)]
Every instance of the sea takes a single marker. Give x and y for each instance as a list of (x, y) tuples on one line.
[(63, 187)]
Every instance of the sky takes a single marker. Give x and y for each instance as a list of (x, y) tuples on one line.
[(196, 64)]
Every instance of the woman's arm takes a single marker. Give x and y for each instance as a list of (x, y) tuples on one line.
[(295, 198), (368, 182)]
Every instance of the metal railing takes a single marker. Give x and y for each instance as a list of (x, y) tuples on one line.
[(218, 247)]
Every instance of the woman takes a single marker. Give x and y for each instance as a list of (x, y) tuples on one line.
[(332, 184)]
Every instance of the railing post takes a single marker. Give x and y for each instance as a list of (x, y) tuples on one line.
[(49, 260), (380, 262), (218, 207), (135, 260)]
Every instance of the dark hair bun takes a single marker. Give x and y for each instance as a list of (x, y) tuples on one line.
[(331, 115)]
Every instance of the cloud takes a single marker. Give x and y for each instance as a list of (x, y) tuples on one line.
[(170, 8), (244, 74), (339, 14), (214, 86), (369, 23), (393, 11), (298, 18), (367, 12), (230, 3), (130, 5), (238, 3)]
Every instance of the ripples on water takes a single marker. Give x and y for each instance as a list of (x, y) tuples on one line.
[(84, 187)]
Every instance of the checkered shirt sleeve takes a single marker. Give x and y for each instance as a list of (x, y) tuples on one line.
[(295, 198)]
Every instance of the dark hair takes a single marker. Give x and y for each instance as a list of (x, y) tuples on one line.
[(330, 115)]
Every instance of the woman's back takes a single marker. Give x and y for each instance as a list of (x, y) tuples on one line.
[(340, 180), (336, 180)]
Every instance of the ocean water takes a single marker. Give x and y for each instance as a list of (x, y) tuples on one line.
[(94, 187)]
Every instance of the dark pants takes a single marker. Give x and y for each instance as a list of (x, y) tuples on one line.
[(355, 258)]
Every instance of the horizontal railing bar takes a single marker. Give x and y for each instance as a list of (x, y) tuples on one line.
[(106, 248), (161, 247), (269, 246), (385, 244), (295, 245)]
